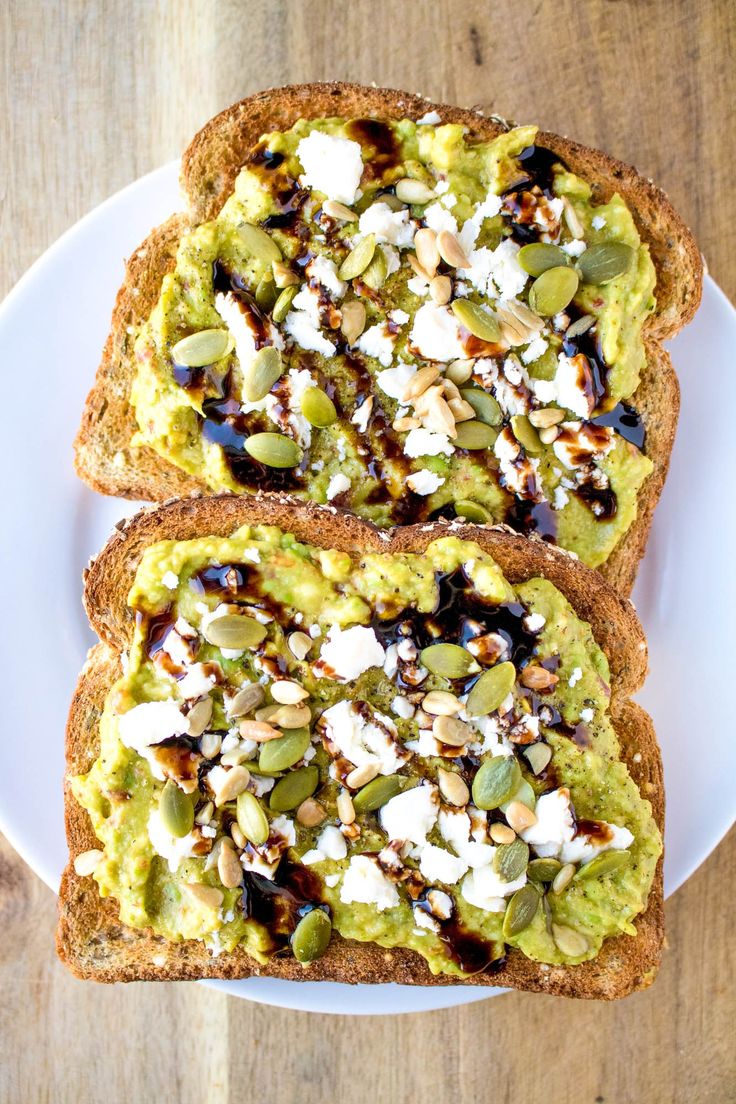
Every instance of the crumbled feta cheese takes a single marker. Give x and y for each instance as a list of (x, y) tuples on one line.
[(422, 919), (424, 482), (393, 260), (570, 393), (392, 227), (402, 707), (170, 580), (296, 382), (350, 652), (393, 381), (438, 218), (411, 815), (418, 286), (377, 342), (365, 882), (338, 485), (331, 880), (425, 442), (197, 682), (454, 828), (430, 118), (438, 865), (435, 333), (172, 848), (561, 498), (235, 315), (554, 825), (178, 647), (331, 164), (534, 622), (496, 272), (484, 888), (598, 222), (583, 848), (587, 715), (579, 443), (362, 415), (324, 271), (534, 350), (400, 317), (574, 248), (332, 843), (302, 324), (575, 677), (150, 723), (364, 740)]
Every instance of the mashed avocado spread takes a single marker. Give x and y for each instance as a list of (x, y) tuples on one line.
[(408, 323), (404, 749)]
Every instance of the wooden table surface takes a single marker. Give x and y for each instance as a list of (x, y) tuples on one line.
[(95, 94)]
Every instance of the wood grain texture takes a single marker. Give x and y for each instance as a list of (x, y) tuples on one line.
[(92, 95)]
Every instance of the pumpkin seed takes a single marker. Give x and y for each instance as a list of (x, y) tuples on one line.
[(336, 210), (476, 319), (539, 256), (266, 292), (570, 942), (607, 863), (459, 371), (275, 450), (358, 258), (520, 911), (448, 660), (283, 275), (491, 689), (279, 755), (604, 262), (247, 698), (511, 860), (353, 320), (475, 435), (377, 793), (234, 630), (176, 810), (261, 373), (377, 271), (538, 756), (495, 781), (311, 936), (413, 191), (318, 408), (202, 348), (483, 403), (472, 511), (523, 795), (543, 871), (258, 243), (282, 306), (525, 433), (293, 788), (553, 290), (252, 820)]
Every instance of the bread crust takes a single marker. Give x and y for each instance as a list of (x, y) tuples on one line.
[(104, 457), (92, 941)]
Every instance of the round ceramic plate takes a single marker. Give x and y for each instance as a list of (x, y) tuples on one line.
[(53, 326)]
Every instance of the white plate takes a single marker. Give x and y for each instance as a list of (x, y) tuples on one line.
[(52, 328)]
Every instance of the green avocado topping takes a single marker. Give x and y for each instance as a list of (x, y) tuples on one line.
[(320, 765), (402, 275)]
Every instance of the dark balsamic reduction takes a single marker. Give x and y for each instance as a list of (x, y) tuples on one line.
[(224, 580), (601, 501), (472, 953), (381, 147), (532, 517), (588, 344), (278, 904), (626, 421), (538, 165), (598, 830), (157, 627), (225, 425)]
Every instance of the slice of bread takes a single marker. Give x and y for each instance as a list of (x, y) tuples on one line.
[(91, 939), (104, 456)]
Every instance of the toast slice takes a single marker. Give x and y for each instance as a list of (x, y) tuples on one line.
[(91, 939), (104, 456)]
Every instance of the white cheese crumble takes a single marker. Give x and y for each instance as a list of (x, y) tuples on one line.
[(378, 343), (569, 392), (393, 381), (438, 865), (496, 272), (169, 847), (302, 324), (436, 334), (411, 815), (362, 741), (400, 317), (576, 676), (485, 889), (574, 248), (338, 484), (598, 222), (324, 271), (426, 442), (235, 316), (424, 482), (350, 652), (197, 682), (392, 227), (534, 350), (150, 723), (364, 882), (554, 825), (402, 707), (170, 580), (438, 218), (331, 164), (430, 118), (587, 715)]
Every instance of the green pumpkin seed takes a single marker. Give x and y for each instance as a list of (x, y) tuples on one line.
[(176, 810), (604, 262), (484, 405), (491, 689), (472, 511), (495, 781), (543, 871), (607, 863), (553, 290), (476, 319), (358, 258), (252, 820), (524, 793), (261, 374), (377, 271), (511, 860), (311, 936), (282, 306), (539, 256), (266, 292), (538, 756), (279, 755), (448, 660), (202, 348), (377, 793), (275, 450), (234, 630), (520, 911), (318, 408), (474, 435), (293, 788), (525, 433), (259, 244)]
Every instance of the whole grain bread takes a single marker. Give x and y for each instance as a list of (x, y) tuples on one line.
[(91, 939), (104, 457)]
